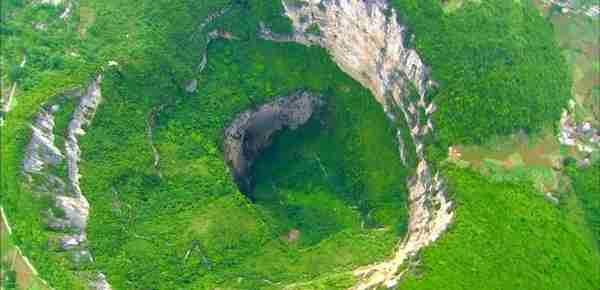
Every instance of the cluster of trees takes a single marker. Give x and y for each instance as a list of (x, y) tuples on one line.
[(507, 236), (195, 195), (586, 185), (189, 227), (36, 33), (497, 63)]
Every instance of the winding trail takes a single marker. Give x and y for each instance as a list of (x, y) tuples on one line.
[(150, 124)]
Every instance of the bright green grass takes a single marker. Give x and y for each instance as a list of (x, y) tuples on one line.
[(506, 236)]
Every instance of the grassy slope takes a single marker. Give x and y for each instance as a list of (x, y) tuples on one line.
[(23, 209), (506, 236)]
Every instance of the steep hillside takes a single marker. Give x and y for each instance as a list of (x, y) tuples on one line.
[(301, 144)]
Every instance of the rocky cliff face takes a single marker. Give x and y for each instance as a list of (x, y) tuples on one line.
[(367, 42), (42, 151), (253, 130), (42, 165), (83, 116)]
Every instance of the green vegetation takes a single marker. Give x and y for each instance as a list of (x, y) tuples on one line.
[(145, 38), (129, 202), (577, 36), (497, 63), (36, 33), (586, 185), (323, 206), (7, 273), (11, 265), (23, 208), (506, 236), (143, 226), (314, 29)]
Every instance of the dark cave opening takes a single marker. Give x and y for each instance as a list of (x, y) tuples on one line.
[(254, 130)]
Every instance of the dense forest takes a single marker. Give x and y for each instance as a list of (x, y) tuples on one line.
[(505, 236), (497, 64), (195, 196), (338, 180)]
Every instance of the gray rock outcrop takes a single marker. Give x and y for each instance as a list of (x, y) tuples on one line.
[(41, 151), (41, 165), (83, 116)]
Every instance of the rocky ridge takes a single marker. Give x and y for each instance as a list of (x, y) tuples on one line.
[(367, 42), (69, 213)]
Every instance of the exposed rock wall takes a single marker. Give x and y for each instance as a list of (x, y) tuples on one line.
[(41, 150), (367, 42), (253, 130), (41, 165), (365, 39), (83, 116)]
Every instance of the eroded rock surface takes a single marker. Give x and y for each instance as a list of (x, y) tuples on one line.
[(41, 150), (367, 42), (253, 130), (42, 165), (83, 116)]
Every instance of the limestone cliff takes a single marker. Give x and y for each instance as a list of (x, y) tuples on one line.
[(70, 212), (368, 42)]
